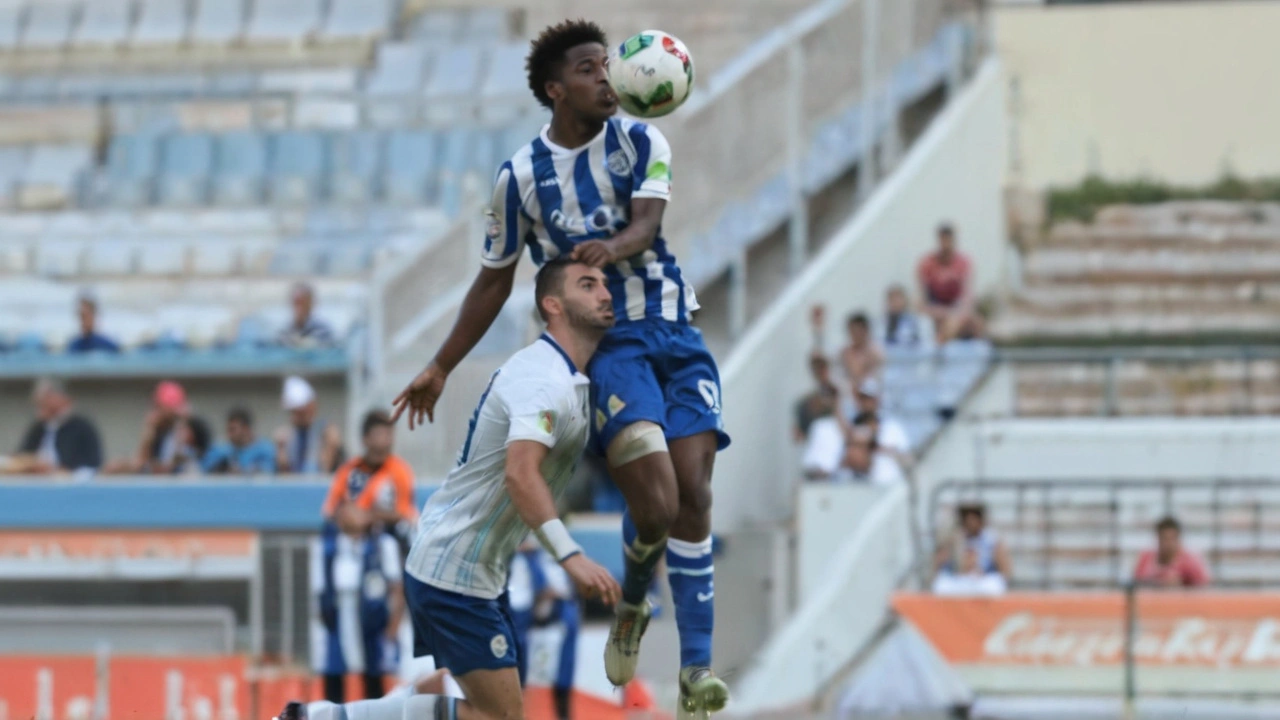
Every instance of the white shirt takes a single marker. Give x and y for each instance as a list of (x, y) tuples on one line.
[(469, 528), (884, 471), (892, 435)]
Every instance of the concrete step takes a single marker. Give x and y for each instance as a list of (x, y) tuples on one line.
[(1019, 324), (1106, 264)]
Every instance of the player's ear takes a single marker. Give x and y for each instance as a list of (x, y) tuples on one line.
[(554, 89), (551, 305)]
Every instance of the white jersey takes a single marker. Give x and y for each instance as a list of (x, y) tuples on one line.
[(550, 198), (469, 529)]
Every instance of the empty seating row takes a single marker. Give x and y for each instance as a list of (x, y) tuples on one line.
[(406, 167)]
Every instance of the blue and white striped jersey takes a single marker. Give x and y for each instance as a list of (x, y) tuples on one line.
[(550, 198)]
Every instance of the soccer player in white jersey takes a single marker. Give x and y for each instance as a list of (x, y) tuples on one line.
[(594, 187), (523, 444)]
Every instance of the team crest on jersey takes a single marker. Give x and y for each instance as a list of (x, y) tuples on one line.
[(547, 421), (375, 586), (498, 646), (618, 163), (615, 405)]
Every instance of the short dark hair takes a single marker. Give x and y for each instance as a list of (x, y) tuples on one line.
[(550, 281), (945, 228), (547, 52), (865, 418), (373, 419), (858, 318), (971, 508), (1168, 522), (241, 415)]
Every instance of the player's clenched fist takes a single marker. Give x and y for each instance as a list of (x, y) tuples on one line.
[(420, 397), (592, 580)]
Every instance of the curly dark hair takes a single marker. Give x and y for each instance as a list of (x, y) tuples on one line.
[(546, 53)]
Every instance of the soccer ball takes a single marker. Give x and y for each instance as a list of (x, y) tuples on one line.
[(652, 73)]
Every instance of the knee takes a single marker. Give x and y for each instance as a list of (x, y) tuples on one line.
[(695, 498), (654, 515)]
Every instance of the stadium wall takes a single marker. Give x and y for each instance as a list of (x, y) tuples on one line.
[(1175, 91), (953, 173)]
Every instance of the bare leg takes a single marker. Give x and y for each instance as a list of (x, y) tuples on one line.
[(491, 695)]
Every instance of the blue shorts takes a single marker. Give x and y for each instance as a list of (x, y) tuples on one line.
[(657, 371), (461, 632)]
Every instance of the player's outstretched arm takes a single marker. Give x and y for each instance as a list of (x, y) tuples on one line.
[(488, 293), (535, 505), (635, 238)]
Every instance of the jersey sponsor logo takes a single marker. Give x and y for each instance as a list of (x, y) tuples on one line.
[(547, 421), (619, 163), (498, 646), (603, 219), (615, 405), (659, 171), (549, 182)]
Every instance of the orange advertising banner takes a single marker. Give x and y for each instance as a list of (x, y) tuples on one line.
[(133, 544), (1219, 630)]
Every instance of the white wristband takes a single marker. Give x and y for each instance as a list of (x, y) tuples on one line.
[(554, 536)]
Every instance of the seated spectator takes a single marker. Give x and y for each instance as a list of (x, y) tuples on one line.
[(890, 434), (308, 444), (863, 461), (904, 329), (824, 444), (89, 339), (862, 357), (59, 440), (946, 289), (377, 481), (975, 560), (305, 330), (171, 441), (811, 407), (242, 453), (1170, 565)]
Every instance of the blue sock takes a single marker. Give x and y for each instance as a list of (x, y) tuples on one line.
[(641, 560), (690, 569)]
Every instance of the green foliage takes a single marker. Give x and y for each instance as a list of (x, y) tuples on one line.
[(1083, 200)]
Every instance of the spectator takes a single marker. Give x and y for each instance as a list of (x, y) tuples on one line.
[(241, 453), (1170, 565), (975, 561), (170, 440), (194, 438), (89, 340), (904, 329), (305, 330), (59, 440), (357, 583), (377, 481), (824, 444), (946, 287), (863, 462), (862, 357), (307, 444), (815, 404), (890, 434)]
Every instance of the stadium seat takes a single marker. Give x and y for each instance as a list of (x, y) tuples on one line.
[(450, 88), (298, 166), (13, 160), (455, 161), (356, 161), (411, 164), (48, 25), (441, 25), (217, 22), (12, 17), (357, 19), (398, 69), (186, 160), (163, 259), (486, 24), (239, 168), (288, 21), (109, 257), (58, 259), (104, 23), (132, 161), (215, 256), (53, 175), (504, 90), (160, 22), (312, 81), (326, 114)]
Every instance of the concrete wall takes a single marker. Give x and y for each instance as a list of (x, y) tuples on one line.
[(954, 172), (1174, 91)]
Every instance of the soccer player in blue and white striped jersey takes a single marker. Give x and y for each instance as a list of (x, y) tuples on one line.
[(594, 187)]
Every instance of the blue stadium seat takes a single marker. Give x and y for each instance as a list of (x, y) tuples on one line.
[(186, 161), (298, 165), (283, 20), (11, 19), (411, 165), (486, 24), (438, 25), (356, 161), (132, 161), (104, 23), (239, 168), (357, 19), (398, 69), (160, 22), (455, 160), (504, 89), (217, 22), (48, 25), (452, 85), (13, 160)]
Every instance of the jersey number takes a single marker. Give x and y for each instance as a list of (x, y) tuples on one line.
[(475, 419)]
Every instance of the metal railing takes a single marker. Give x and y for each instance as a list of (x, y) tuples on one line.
[(1057, 522)]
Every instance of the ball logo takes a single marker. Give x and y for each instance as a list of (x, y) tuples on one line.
[(710, 394), (498, 646)]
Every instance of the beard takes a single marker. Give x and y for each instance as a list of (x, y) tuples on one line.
[(583, 319)]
